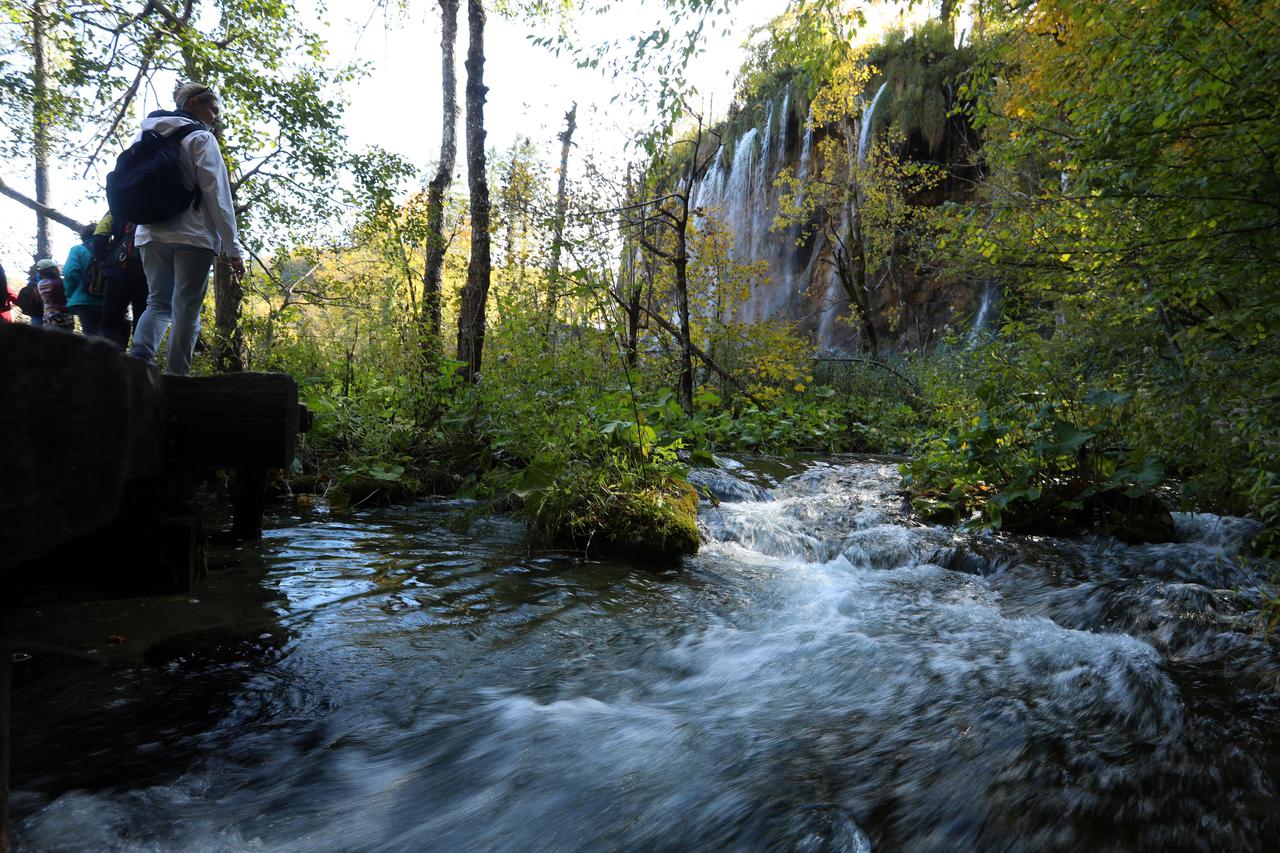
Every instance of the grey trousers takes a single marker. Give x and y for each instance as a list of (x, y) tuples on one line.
[(177, 280)]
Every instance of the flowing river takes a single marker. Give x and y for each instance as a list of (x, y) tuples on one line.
[(826, 675)]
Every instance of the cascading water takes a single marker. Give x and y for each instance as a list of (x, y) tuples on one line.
[(868, 123), (827, 674), (745, 205), (988, 299), (798, 284)]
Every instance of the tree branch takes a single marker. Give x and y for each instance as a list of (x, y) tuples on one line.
[(236, 184), (60, 218), (671, 329)]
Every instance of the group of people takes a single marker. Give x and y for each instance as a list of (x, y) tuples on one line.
[(99, 286), (158, 272)]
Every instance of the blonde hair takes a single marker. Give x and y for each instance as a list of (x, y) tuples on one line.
[(188, 92)]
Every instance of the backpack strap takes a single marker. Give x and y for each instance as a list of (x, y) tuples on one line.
[(183, 132), (175, 137)]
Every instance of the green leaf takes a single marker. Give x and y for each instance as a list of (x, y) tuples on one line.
[(703, 457), (1107, 399)]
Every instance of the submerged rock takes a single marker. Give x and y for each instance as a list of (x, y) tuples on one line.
[(1136, 520), (1144, 518), (724, 486)]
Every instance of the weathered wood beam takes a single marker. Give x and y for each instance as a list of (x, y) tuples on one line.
[(6, 681), (232, 419), (78, 422)]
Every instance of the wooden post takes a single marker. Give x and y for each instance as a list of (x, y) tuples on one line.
[(183, 552), (6, 680), (250, 502)]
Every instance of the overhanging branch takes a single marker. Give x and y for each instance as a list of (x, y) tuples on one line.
[(60, 218)]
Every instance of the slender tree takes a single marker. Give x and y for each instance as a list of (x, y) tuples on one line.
[(673, 211), (434, 271), (471, 314), (630, 284), (562, 204), (40, 122)]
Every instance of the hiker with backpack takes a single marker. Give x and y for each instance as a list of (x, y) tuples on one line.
[(77, 272), (124, 283), (29, 301), (54, 295), (174, 184)]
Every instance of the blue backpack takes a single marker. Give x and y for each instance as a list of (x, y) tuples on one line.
[(146, 186)]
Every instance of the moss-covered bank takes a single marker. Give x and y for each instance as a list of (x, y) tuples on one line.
[(652, 520)]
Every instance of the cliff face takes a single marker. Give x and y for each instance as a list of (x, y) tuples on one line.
[(912, 308)]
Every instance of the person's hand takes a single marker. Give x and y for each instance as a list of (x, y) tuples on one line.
[(237, 266)]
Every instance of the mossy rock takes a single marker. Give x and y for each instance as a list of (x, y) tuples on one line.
[(656, 522)]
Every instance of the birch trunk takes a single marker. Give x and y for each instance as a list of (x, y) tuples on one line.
[(433, 275), (562, 205), (40, 107)]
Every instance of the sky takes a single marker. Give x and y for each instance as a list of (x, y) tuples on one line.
[(397, 105)]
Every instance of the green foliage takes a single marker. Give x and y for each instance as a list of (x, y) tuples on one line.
[(1030, 460), (647, 65), (1124, 214), (281, 96), (923, 68), (1124, 206)]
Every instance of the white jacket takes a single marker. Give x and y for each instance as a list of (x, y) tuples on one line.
[(213, 224)]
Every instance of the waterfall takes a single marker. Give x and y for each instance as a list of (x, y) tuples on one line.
[(738, 191), (794, 278), (758, 304), (707, 191), (737, 195), (802, 175), (988, 303), (868, 119)]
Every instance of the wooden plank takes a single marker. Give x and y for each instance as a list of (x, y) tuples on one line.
[(81, 424), (225, 441), (232, 419), (78, 421), (260, 395)]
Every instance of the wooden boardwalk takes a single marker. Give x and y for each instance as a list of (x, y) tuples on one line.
[(99, 454), (94, 439)]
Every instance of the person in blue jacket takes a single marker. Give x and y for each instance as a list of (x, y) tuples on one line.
[(76, 272)]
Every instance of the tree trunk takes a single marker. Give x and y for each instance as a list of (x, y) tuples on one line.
[(851, 253), (562, 205), (433, 275), (706, 359), (510, 206), (681, 264), (471, 313), (41, 108), (628, 287), (228, 296), (851, 268), (682, 301)]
